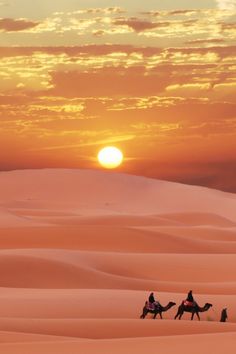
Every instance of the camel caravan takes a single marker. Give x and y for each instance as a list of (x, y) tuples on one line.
[(187, 305)]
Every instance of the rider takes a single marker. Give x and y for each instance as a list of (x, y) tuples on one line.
[(151, 301), (151, 298), (190, 300)]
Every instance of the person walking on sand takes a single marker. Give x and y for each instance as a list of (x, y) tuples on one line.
[(224, 315)]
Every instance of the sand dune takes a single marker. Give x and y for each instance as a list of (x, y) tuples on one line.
[(100, 193), (194, 344), (109, 328), (54, 268), (135, 239), (81, 250), (21, 337)]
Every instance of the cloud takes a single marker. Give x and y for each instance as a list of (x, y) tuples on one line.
[(226, 4), (77, 51), (170, 28), (208, 41), (114, 24), (189, 90), (116, 69), (139, 25), (15, 25), (107, 139), (152, 13), (231, 86), (184, 12), (100, 10), (108, 49)]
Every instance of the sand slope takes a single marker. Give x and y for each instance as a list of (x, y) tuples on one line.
[(81, 250)]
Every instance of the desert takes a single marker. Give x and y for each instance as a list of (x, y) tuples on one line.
[(81, 250)]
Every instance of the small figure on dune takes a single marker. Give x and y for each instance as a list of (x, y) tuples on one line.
[(189, 300), (151, 297), (151, 301), (224, 315)]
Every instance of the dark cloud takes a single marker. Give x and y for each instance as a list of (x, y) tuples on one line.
[(139, 25), (15, 25), (183, 12)]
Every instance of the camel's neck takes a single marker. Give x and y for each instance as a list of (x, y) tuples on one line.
[(204, 308), (167, 307)]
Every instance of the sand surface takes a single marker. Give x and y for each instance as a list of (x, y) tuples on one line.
[(81, 250)]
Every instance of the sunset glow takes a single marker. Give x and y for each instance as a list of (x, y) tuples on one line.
[(156, 77)]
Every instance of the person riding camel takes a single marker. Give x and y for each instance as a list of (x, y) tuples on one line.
[(152, 302), (151, 298), (190, 300)]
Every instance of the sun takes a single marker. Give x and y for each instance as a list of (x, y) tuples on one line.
[(110, 157)]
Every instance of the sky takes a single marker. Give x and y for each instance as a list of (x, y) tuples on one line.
[(153, 78)]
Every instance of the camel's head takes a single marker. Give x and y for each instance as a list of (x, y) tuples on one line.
[(208, 305), (172, 303)]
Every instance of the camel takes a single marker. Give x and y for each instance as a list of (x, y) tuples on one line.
[(192, 309), (158, 309)]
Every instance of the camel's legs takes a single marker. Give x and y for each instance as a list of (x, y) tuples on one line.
[(193, 313), (177, 315), (198, 316), (157, 314), (144, 313)]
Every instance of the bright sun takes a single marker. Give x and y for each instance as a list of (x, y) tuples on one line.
[(110, 157)]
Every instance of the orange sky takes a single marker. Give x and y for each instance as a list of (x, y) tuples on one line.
[(156, 80)]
